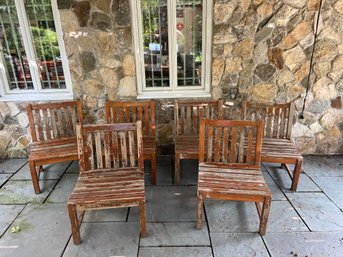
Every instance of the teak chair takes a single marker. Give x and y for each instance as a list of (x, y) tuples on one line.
[(229, 165), (53, 132), (118, 112), (187, 116), (111, 172), (277, 146)]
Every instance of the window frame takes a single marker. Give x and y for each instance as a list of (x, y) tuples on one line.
[(37, 93), (173, 91)]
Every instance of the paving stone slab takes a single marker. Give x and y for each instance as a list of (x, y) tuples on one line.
[(63, 189), (339, 159), (11, 165), (116, 214), (175, 252), (189, 172), (21, 192), (311, 244), (322, 166), (273, 187), (105, 240), (7, 215), (283, 218), (169, 203), (176, 234), (317, 211), (332, 187), (164, 175), (51, 171), (74, 167), (44, 231), (282, 178), (238, 244), (231, 216), (4, 178)]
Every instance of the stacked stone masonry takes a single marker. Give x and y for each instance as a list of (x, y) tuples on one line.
[(270, 51)]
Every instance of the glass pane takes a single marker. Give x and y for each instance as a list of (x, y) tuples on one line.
[(13, 54), (45, 42), (189, 42), (155, 37)]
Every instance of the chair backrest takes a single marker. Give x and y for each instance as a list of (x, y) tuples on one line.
[(278, 118), (52, 122), (110, 146), (234, 143), (119, 112), (188, 113)]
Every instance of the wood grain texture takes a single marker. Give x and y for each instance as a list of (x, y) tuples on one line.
[(187, 117), (231, 169), (277, 145), (53, 132), (111, 171), (131, 111)]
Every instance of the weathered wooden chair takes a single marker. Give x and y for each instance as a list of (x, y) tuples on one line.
[(187, 116), (277, 146), (229, 165), (130, 112), (53, 132), (111, 172)]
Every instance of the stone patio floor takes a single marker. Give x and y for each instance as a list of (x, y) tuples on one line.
[(306, 223)]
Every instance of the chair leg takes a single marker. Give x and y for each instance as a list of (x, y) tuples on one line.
[(296, 175), (264, 215), (177, 169), (75, 228), (34, 177), (199, 215), (143, 218), (153, 169)]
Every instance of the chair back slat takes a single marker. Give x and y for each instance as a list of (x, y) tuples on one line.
[(51, 122), (188, 113), (126, 112), (278, 118), (110, 146), (236, 143)]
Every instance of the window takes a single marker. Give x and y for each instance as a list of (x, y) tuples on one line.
[(173, 47), (32, 59)]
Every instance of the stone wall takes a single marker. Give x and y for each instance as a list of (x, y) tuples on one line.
[(14, 136), (266, 50), (271, 51)]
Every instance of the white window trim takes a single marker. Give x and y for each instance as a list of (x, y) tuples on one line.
[(173, 91), (37, 93)]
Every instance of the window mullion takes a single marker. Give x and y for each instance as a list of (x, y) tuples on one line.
[(172, 43), (28, 44)]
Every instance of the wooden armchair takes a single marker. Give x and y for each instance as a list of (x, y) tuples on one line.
[(118, 112), (229, 165), (111, 172), (187, 116), (53, 132), (277, 146)]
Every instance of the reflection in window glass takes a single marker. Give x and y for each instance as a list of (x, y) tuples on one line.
[(44, 36), (155, 33), (45, 44), (189, 42), (13, 53)]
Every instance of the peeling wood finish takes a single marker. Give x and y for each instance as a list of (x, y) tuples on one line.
[(118, 112), (277, 145), (111, 171), (187, 116), (229, 167), (53, 132)]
